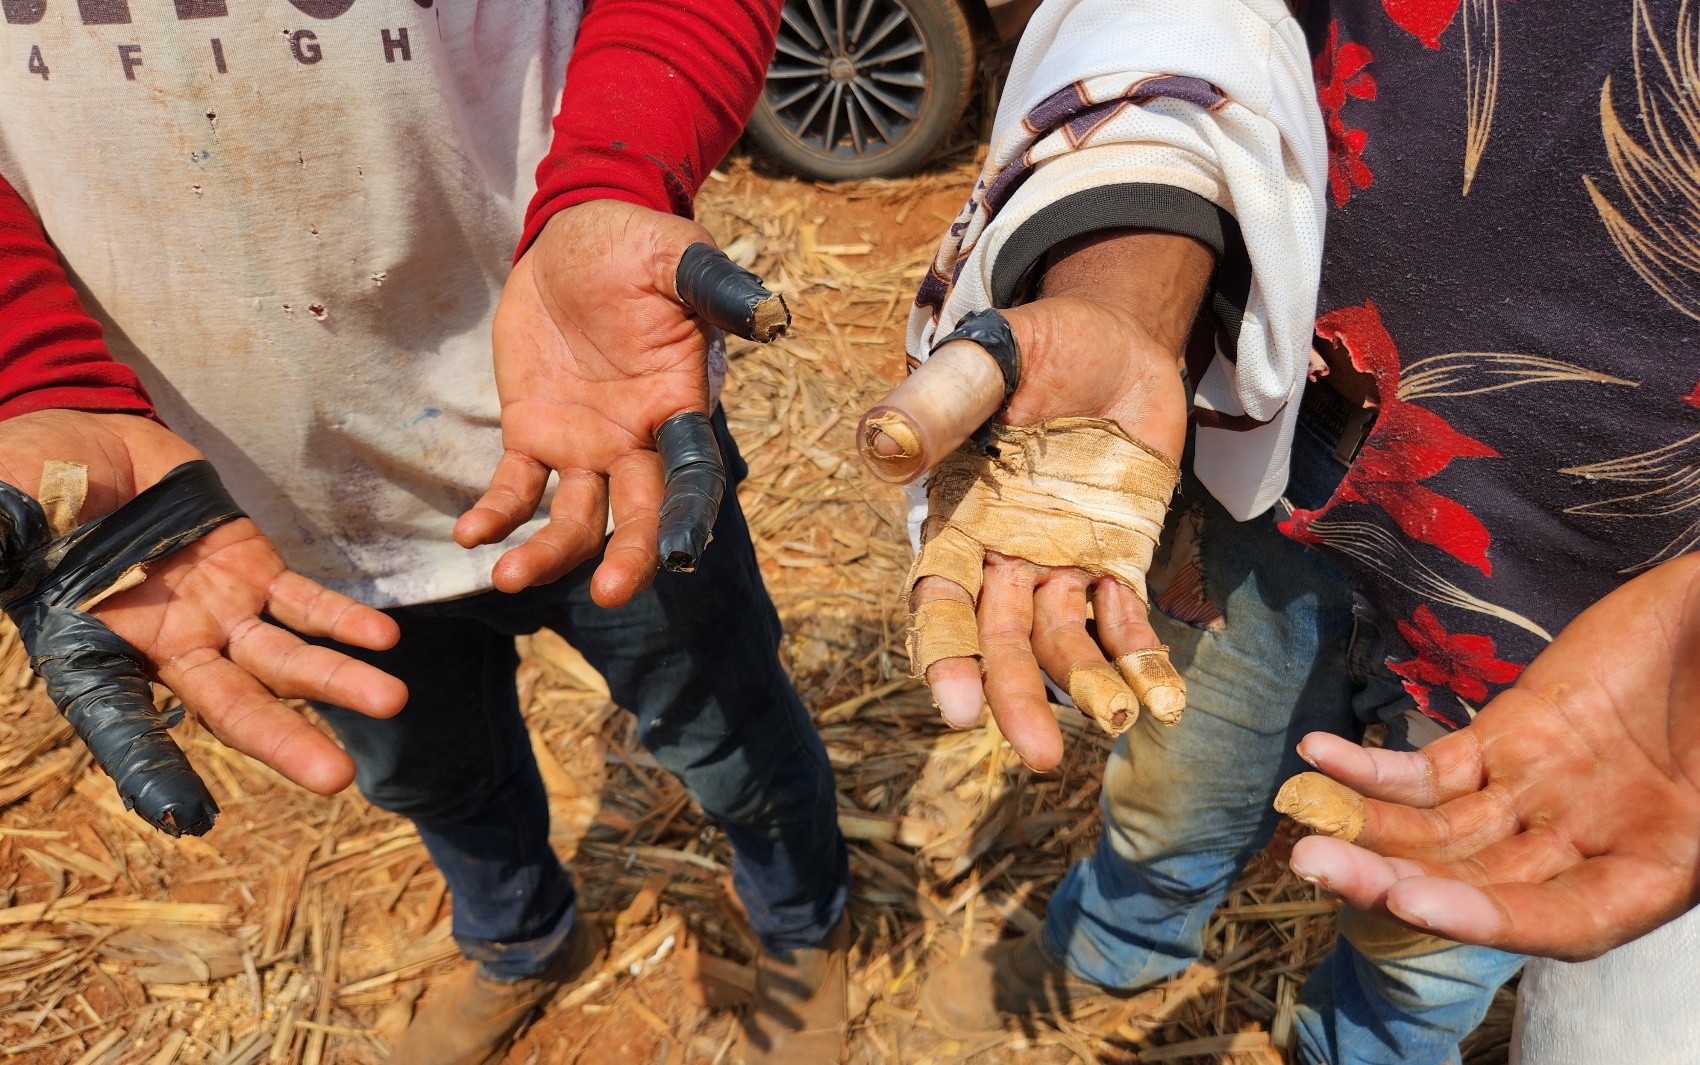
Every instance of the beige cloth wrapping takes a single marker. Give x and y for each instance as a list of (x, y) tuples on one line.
[(1070, 492)]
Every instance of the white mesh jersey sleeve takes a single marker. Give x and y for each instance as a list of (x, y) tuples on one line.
[(1196, 116)]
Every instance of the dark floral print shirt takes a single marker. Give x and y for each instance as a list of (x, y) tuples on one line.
[(1513, 250)]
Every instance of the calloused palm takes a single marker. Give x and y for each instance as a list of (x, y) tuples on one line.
[(1565, 819), (205, 616), (593, 351)]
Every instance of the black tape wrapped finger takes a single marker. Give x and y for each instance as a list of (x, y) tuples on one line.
[(95, 678), (725, 294), (695, 481)]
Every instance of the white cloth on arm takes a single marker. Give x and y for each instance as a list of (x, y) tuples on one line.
[(1213, 97), (1637, 1003)]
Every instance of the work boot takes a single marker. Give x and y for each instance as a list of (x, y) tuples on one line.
[(1008, 983), (802, 1005), (473, 1020)]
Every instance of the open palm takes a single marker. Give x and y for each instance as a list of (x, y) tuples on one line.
[(1104, 341), (593, 352), (213, 619), (1565, 819)]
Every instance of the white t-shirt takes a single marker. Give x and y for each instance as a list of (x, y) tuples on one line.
[(294, 218)]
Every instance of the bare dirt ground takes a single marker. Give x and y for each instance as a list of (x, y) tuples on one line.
[(304, 929)]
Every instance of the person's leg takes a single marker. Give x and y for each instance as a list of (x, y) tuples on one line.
[(1264, 647), (1184, 808), (457, 761), (1389, 996), (696, 658)]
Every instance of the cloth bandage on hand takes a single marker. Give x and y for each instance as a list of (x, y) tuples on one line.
[(1069, 492)]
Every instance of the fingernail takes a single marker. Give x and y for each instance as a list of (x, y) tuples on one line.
[(1311, 876), (1411, 914), (1308, 760)]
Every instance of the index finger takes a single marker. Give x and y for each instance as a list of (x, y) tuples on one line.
[(1446, 769), (944, 646)]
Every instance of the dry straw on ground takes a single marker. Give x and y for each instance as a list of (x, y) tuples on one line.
[(302, 930)]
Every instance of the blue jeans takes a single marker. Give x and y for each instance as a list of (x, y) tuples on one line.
[(695, 658), (1275, 650)]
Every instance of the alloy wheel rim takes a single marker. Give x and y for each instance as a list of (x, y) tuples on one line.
[(849, 77)]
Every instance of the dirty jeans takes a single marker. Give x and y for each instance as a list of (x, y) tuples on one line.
[(1185, 808), (695, 658)]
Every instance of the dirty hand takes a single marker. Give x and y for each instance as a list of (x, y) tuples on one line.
[(210, 619), (1105, 340), (594, 351), (1565, 819)]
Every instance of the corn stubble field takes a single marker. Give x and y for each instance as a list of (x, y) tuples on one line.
[(304, 930)]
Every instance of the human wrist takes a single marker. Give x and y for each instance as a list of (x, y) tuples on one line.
[(1153, 280)]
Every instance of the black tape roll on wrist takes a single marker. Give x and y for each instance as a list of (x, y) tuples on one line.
[(96, 679), (695, 476), (725, 294), (991, 331)]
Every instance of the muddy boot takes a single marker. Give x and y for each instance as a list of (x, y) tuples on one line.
[(474, 1019), (1004, 985), (801, 1008)]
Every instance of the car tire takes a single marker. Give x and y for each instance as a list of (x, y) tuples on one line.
[(821, 81)]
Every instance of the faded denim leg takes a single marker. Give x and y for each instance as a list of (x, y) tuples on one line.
[(1185, 807), (457, 761), (695, 657), (1276, 650), (1391, 996)]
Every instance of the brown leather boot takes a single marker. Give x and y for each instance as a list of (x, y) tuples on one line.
[(802, 1006), (996, 987), (474, 1019)]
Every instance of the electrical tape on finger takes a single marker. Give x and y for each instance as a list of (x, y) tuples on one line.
[(97, 680)]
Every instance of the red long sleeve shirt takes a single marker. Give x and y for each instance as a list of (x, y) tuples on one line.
[(656, 93)]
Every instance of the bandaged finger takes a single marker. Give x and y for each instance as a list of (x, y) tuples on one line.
[(1098, 692), (1155, 681), (1323, 805), (940, 629), (1067, 493)]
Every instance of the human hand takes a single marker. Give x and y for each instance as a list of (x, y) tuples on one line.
[(210, 619), (1565, 819), (1104, 340), (594, 351)]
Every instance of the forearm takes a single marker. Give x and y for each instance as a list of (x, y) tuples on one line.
[(657, 91), (51, 351), (1156, 279)]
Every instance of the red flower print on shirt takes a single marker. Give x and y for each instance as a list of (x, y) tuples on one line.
[(1462, 662), (1340, 74), (1693, 398), (1346, 167), (1425, 20), (1408, 445)]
